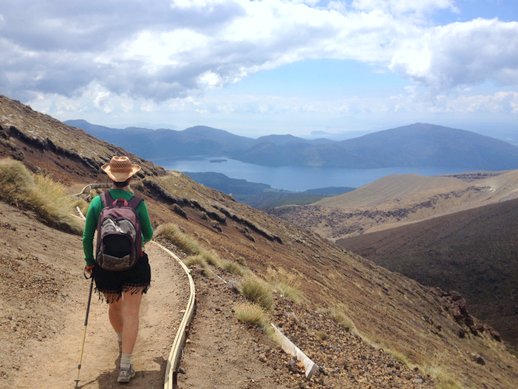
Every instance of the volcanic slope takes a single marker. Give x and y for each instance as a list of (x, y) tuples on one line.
[(399, 199), (472, 252), (391, 319)]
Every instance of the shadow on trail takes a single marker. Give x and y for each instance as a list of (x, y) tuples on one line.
[(147, 379)]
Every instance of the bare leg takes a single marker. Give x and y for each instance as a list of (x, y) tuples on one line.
[(130, 319), (115, 312)]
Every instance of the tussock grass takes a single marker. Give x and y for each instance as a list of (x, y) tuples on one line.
[(16, 182), (339, 314), (257, 291), (212, 258), (321, 335), (448, 383), (234, 268), (196, 253), (437, 370), (82, 205), (287, 284), (172, 233), (253, 314), (40, 194), (194, 260)]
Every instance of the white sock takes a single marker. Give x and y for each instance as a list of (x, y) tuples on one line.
[(125, 361)]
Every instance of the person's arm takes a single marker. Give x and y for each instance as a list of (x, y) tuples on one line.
[(90, 226), (145, 222)]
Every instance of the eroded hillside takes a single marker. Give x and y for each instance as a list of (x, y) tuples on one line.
[(45, 144), (400, 199), (472, 252), (423, 327)]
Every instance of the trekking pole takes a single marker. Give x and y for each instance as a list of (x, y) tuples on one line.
[(84, 333)]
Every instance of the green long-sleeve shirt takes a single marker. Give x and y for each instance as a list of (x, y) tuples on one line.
[(92, 215)]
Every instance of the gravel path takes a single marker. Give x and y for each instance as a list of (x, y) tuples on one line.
[(43, 299)]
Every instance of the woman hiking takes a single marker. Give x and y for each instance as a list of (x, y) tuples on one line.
[(122, 288)]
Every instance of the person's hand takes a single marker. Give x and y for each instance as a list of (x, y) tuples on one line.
[(89, 270)]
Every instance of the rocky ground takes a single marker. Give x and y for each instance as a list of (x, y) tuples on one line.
[(218, 341)]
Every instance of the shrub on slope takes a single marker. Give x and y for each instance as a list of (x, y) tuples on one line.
[(37, 193)]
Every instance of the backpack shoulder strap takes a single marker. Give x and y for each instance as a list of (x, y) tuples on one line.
[(134, 202), (107, 199)]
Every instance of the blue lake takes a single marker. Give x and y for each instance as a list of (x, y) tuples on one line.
[(295, 178)]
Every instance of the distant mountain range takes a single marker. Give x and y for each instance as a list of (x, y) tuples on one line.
[(416, 145)]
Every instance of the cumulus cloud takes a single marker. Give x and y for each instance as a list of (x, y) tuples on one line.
[(163, 49), (461, 54), (399, 7)]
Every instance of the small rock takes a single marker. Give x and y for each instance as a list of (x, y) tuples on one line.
[(292, 365), (234, 287), (478, 359)]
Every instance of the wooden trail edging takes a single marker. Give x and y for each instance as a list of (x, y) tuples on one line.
[(175, 354), (90, 187), (289, 347)]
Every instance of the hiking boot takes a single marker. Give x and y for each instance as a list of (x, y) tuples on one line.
[(125, 375)]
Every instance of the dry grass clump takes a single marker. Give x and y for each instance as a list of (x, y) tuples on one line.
[(438, 372), (321, 335), (338, 314), (196, 253), (252, 314), (287, 284), (448, 383), (172, 233), (38, 193), (195, 260), (82, 205), (212, 258), (257, 291), (234, 268)]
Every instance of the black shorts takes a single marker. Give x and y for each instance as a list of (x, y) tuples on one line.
[(135, 280)]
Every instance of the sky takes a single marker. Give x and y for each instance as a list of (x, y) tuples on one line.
[(304, 67)]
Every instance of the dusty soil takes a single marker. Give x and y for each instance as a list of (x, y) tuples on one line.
[(222, 352), (43, 299)]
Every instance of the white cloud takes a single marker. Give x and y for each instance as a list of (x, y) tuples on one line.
[(160, 49), (461, 54), (398, 7), (147, 55)]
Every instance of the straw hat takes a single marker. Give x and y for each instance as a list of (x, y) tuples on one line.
[(120, 169)]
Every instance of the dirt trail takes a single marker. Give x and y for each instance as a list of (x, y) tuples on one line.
[(48, 352)]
